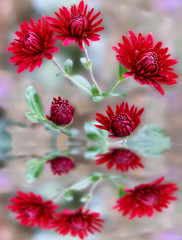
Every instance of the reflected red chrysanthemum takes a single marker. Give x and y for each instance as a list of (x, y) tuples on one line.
[(147, 63), (77, 26), (146, 198), (61, 165), (35, 41), (123, 159), (121, 123), (77, 223), (61, 112), (31, 210)]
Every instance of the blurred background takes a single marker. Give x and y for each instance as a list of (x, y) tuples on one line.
[(21, 140)]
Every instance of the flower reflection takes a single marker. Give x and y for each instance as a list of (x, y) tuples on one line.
[(123, 159)]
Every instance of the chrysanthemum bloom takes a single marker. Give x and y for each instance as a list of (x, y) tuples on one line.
[(31, 210), (61, 112), (123, 159), (121, 123), (146, 198), (61, 165), (77, 223), (35, 41), (147, 63), (76, 25)]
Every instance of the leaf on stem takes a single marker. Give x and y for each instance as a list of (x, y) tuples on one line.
[(95, 134), (85, 63), (149, 141), (35, 169), (122, 70), (68, 195), (68, 66), (121, 191), (84, 82)]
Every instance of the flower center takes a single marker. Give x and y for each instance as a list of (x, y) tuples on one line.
[(29, 40), (31, 212), (148, 198), (78, 25), (148, 63), (122, 125), (122, 156), (78, 223)]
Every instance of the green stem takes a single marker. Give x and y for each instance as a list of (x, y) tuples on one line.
[(116, 183), (59, 195), (70, 78), (90, 69), (115, 86), (91, 193)]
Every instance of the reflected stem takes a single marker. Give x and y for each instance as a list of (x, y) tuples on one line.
[(91, 193), (71, 79), (90, 69)]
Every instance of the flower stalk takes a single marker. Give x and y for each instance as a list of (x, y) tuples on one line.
[(90, 69)]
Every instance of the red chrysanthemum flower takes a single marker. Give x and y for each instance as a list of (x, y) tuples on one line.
[(35, 41), (31, 210), (61, 165), (123, 159), (147, 63), (121, 123), (77, 223), (61, 112), (146, 198), (77, 25)]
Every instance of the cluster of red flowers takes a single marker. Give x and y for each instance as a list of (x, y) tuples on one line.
[(32, 210), (147, 63)]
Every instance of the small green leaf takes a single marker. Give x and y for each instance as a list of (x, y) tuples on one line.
[(122, 70), (68, 195), (110, 94), (32, 117), (97, 98), (33, 101), (66, 132), (84, 82), (94, 133), (85, 63), (86, 198), (68, 66), (34, 170), (92, 151), (121, 191), (82, 184)]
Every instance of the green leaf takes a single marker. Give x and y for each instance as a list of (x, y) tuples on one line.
[(110, 94), (121, 191), (94, 133), (84, 82), (33, 101), (122, 70), (68, 195), (34, 170), (92, 151), (85, 63), (66, 132), (32, 117), (149, 141), (97, 98), (68, 66), (82, 184), (86, 198)]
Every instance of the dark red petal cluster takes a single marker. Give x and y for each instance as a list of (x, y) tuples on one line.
[(31, 210), (146, 198), (123, 159), (61, 165), (147, 63), (121, 123), (76, 25), (35, 41), (61, 112), (77, 223)]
